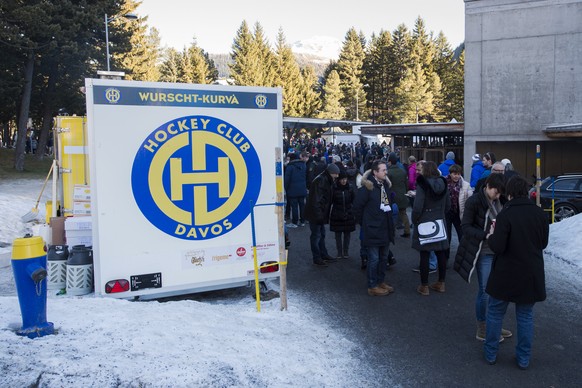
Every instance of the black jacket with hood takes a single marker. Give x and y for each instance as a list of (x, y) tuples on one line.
[(431, 203), (475, 223)]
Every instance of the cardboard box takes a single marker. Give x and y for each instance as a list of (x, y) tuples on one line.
[(81, 208), (79, 223), (58, 230), (78, 233), (82, 193), (83, 240)]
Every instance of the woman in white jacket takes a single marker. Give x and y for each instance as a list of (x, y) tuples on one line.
[(460, 190)]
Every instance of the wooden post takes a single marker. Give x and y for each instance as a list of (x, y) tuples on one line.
[(538, 174), (280, 209)]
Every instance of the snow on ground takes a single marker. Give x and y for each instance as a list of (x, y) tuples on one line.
[(222, 342)]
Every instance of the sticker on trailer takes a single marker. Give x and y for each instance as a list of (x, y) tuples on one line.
[(208, 154)]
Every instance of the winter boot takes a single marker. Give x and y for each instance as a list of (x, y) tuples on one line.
[(438, 286), (386, 286), (423, 290), (378, 291)]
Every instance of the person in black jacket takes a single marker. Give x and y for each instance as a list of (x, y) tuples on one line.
[(431, 204), (317, 212), (474, 252), (374, 214), (342, 220), (518, 238), (296, 189)]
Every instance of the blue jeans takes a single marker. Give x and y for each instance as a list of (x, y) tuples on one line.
[(363, 249), (524, 317), (377, 261), (432, 261), (317, 240), (297, 204), (484, 264)]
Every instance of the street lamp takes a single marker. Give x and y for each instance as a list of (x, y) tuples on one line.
[(128, 16)]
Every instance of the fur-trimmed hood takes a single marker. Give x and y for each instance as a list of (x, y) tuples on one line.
[(368, 180)]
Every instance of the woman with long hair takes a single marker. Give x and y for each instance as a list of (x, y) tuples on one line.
[(431, 204)]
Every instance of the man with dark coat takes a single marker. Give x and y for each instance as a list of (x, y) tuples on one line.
[(317, 212), (374, 214), (296, 189), (519, 235), (474, 253)]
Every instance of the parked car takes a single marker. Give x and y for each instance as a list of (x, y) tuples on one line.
[(566, 190)]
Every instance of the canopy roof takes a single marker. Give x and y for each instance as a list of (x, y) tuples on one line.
[(311, 123), (416, 129)]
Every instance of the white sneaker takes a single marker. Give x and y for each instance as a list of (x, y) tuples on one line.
[(291, 225)]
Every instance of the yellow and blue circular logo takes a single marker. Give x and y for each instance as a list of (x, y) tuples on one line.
[(196, 177), (112, 95)]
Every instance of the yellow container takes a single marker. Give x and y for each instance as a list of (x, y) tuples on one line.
[(73, 156), (28, 248), (49, 210)]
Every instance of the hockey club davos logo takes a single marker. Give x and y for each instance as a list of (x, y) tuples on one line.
[(112, 95), (195, 177), (261, 100)]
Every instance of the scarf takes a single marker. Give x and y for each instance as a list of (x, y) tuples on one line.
[(383, 196), (494, 206), (454, 190)]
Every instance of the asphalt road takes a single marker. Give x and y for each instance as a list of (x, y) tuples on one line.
[(416, 341)]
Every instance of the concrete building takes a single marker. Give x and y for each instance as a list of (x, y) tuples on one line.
[(523, 83)]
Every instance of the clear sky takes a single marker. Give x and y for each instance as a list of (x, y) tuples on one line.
[(214, 23)]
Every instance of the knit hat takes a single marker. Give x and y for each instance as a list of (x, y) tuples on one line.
[(333, 169), (451, 155), (392, 158), (505, 162), (476, 157)]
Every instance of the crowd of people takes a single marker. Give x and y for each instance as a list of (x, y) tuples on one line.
[(501, 232)]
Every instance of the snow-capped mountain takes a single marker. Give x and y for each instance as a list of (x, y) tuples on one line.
[(321, 46)]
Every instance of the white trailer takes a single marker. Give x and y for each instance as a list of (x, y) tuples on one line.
[(185, 182)]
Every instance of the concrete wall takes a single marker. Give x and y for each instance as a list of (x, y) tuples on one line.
[(523, 70)]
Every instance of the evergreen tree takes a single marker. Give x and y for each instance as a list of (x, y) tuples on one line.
[(378, 71), (267, 73), (141, 63), (212, 73), (242, 70), (450, 72), (413, 95), (332, 96), (62, 42), (289, 78), (170, 68), (253, 61), (311, 96), (423, 53), (454, 93), (399, 62), (350, 70)]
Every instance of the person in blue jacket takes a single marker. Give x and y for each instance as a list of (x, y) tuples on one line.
[(296, 189), (449, 161), (477, 169)]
